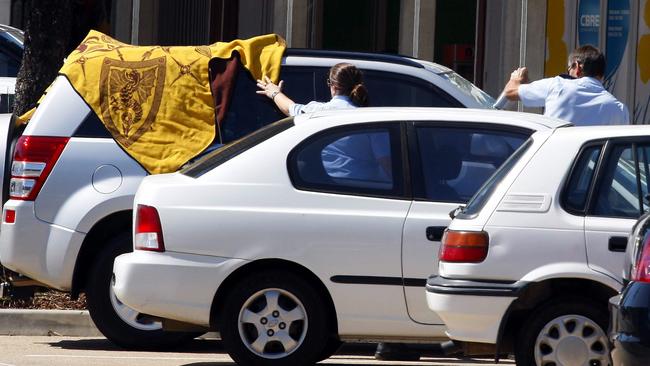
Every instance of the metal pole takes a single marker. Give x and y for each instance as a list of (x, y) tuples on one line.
[(289, 34), (135, 22), (416, 28), (522, 41)]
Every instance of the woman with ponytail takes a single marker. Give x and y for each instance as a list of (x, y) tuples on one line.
[(346, 87), (360, 156)]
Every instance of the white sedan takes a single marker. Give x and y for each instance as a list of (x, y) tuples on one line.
[(313, 230)]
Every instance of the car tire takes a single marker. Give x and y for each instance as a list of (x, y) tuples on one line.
[(333, 345), (118, 323), (274, 318), (564, 331)]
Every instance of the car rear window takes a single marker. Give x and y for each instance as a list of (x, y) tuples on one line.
[(477, 202), (224, 153)]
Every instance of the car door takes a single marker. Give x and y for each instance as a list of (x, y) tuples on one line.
[(619, 198), (449, 163), (351, 187)]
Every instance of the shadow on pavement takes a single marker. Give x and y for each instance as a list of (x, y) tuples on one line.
[(213, 346), (102, 344)]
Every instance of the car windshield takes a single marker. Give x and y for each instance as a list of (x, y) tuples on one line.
[(476, 203), (469, 89), (13, 37)]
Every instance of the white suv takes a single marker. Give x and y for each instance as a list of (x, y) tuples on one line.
[(529, 264), (72, 186)]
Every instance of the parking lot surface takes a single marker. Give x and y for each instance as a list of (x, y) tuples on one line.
[(90, 351)]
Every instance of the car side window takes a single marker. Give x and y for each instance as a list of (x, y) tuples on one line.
[(387, 89), (455, 162), (620, 191), (643, 154), (249, 111), (351, 160), (575, 197)]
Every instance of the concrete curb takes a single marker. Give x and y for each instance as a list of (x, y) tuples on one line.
[(27, 322)]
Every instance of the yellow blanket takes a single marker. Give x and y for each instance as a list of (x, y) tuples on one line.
[(156, 101)]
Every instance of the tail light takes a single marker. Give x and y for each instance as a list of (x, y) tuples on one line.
[(148, 231), (641, 272), (464, 246), (10, 216), (33, 161)]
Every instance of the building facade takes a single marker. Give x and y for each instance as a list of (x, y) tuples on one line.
[(482, 40)]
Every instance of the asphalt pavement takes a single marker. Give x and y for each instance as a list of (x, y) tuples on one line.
[(91, 351), (69, 337)]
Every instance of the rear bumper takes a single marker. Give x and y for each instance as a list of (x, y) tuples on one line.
[(630, 325), (471, 310), (37, 249), (171, 285)]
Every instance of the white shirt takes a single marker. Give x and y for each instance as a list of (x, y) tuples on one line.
[(356, 156), (337, 102), (582, 101)]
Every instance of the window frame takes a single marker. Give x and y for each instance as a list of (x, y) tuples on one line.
[(608, 145), (603, 143), (417, 173), (401, 177)]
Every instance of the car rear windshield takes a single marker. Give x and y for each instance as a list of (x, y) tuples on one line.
[(477, 202), (220, 155)]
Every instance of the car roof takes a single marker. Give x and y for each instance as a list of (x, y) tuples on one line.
[(586, 133), (531, 121), (366, 56), (10, 29)]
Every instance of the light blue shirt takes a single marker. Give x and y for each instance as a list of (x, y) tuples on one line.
[(582, 101), (356, 156), (337, 102)]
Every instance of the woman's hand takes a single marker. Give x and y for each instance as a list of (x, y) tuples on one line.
[(268, 88)]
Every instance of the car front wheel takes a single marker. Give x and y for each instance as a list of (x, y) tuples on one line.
[(564, 332), (274, 318)]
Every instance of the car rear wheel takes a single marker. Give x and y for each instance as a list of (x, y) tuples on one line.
[(274, 318), (564, 332), (119, 323)]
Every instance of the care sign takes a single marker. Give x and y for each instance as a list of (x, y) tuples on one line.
[(589, 22)]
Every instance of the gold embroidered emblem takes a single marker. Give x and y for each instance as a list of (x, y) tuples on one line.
[(185, 69), (130, 95)]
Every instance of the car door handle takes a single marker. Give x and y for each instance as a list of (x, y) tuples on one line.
[(617, 243), (434, 233)]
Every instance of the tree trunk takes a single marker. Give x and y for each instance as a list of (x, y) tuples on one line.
[(47, 36)]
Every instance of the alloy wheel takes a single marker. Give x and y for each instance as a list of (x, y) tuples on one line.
[(572, 340), (132, 317), (272, 323)]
